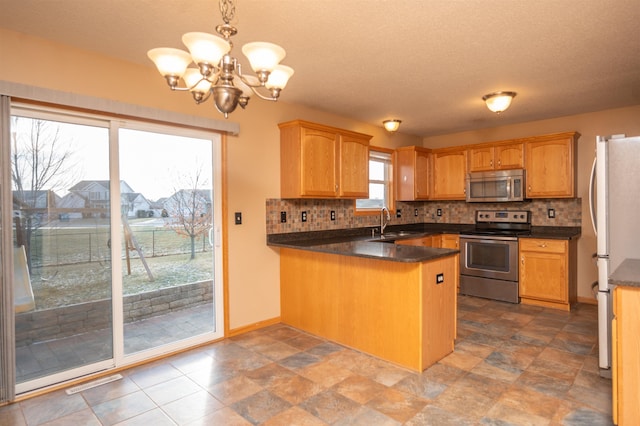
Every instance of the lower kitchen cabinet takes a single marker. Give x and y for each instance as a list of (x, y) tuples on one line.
[(421, 242), (626, 355), (450, 241), (547, 272)]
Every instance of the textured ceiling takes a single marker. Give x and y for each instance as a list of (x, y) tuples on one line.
[(426, 62)]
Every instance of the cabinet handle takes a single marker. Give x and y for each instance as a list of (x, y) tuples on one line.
[(543, 245), (499, 163), (491, 163), (522, 260)]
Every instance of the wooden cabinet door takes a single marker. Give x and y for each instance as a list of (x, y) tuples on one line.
[(550, 168), (509, 156), (544, 270), (354, 167), (626, 365), (420, 242), (318, 163), (413, 166), (422, 164), (449, 173), (481, 159), (450, 241)]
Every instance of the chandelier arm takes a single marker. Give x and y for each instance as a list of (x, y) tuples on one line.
[(254, 89)]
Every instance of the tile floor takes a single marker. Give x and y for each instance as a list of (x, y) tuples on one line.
[(513, 365)]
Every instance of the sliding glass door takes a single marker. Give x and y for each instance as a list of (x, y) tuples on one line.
[(115, 240), (61, 257), (166, 190)]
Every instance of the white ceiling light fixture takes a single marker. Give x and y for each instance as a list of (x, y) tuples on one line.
[(391, 125), (499, 101), (217, 73)]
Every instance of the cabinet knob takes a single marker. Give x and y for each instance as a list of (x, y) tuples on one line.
[(491, 163), (543, 245), (522, 260), (499, 163)]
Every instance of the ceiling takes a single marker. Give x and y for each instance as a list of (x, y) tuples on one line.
[(426, 62)]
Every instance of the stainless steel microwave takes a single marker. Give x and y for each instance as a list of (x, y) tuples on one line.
[(496, 186)]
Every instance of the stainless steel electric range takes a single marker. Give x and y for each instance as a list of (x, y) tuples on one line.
[(489, 254)]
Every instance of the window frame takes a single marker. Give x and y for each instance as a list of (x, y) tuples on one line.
[(389, 181)]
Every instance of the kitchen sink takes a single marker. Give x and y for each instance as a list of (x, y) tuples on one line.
[(389, 237)]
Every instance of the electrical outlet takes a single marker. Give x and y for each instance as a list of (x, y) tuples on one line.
[(304, 216), (551, 213), (283, 217), (439, 212), (333, 215), (398, 213), (415, 212), (238, 218), (439, 278)]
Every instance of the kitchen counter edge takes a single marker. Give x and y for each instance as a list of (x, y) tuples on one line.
[(627, 274)]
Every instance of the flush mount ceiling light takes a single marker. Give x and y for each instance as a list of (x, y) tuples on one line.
[(391, 125), (499, 101), (216, 73)]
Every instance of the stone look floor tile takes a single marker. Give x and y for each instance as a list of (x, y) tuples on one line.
[(512, 365)]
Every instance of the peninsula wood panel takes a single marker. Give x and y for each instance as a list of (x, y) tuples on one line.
[(375, 306), (439, 332)]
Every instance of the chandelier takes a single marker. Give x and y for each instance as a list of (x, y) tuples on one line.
[(217, 74)]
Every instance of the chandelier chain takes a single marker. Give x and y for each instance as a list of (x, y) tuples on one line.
[(228, 10)]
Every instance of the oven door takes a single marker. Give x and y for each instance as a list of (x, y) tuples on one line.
[(489, 257)]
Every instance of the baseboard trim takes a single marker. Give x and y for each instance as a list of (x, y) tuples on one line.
[(587, 300), (252, 327)]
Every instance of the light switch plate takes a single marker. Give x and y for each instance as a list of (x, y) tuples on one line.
[(551, 213), (238, 216), (283, 217), (304, 216)]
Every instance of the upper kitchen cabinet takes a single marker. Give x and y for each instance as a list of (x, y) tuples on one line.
[(413, 165), (318, 161), (501, 156), (551, 166), (449, 173)]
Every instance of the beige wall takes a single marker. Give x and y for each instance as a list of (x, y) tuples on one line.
[(615, 121), (253, 156)]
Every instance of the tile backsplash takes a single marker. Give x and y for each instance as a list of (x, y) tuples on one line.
[(568, 212)]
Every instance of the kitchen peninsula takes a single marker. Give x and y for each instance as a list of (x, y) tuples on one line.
[(392, 301)]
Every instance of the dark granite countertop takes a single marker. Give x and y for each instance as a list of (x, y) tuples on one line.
[(376, 250), (555, 232), (627, 274), (357, 241)]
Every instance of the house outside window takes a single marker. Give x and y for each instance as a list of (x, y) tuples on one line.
[(380, 182)]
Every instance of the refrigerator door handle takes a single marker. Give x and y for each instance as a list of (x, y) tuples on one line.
[(592, 200)]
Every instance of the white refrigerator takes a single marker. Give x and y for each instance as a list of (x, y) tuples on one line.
[(615, 214)]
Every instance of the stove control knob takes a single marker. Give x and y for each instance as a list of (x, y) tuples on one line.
[(521, 216)]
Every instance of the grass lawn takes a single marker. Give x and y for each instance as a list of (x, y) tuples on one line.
[(78, 283)]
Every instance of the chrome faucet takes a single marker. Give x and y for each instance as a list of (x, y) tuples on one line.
[(383, 223)]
